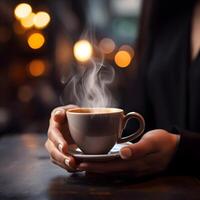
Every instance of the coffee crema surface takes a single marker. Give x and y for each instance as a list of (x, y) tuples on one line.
[(95, 110)]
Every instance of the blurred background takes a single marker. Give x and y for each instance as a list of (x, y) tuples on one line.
[(41, 42)]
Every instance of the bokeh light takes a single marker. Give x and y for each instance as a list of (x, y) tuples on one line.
[(122, 58), (128, 48), (25, 93), (22, 10), (83, 50), (36, 40), (41, 19), (37, 67), (27, 22), (107, 45)]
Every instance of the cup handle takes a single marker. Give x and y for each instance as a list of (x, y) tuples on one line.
[(136, 134)]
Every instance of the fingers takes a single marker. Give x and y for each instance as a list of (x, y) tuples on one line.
[(137, 150), (112, 167), (148, 156), (146, 165), (57, 138), (62, 166), (57, 127), (65, 161), (58, 115), (99, 167)]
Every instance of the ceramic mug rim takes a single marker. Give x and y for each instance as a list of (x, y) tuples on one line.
[(97, 111)]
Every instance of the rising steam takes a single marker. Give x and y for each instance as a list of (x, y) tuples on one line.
[(89, 87)]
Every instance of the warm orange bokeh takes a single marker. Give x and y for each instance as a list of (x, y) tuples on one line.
[(122, 58), (37, 67), (36, 40)]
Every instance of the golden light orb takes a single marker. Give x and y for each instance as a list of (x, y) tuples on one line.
[(37, 67), (83, 50), (28, 22), (41, 19), (107, 45), (36, 40), (122, 59), (22, 10)]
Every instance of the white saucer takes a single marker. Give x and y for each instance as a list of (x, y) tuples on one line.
[(112, 154)]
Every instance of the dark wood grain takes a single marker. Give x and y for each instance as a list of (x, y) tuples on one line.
[(27, 173)]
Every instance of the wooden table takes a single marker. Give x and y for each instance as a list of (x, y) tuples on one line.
[(27, 173)]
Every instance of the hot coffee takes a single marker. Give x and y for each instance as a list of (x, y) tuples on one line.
[(96, 130)]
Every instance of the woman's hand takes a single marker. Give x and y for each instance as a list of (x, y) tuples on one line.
[(59, 139), (150, 155)]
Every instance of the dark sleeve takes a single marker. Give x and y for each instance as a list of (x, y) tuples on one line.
[(187, 157)]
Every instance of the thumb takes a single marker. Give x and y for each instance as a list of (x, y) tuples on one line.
[(137, 150), (58, 115)]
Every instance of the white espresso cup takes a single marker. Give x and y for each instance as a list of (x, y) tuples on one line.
[(97, 130)]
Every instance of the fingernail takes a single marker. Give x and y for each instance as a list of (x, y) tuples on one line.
[(67, 162), (126, 153), (60, 147), (57, 112)]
